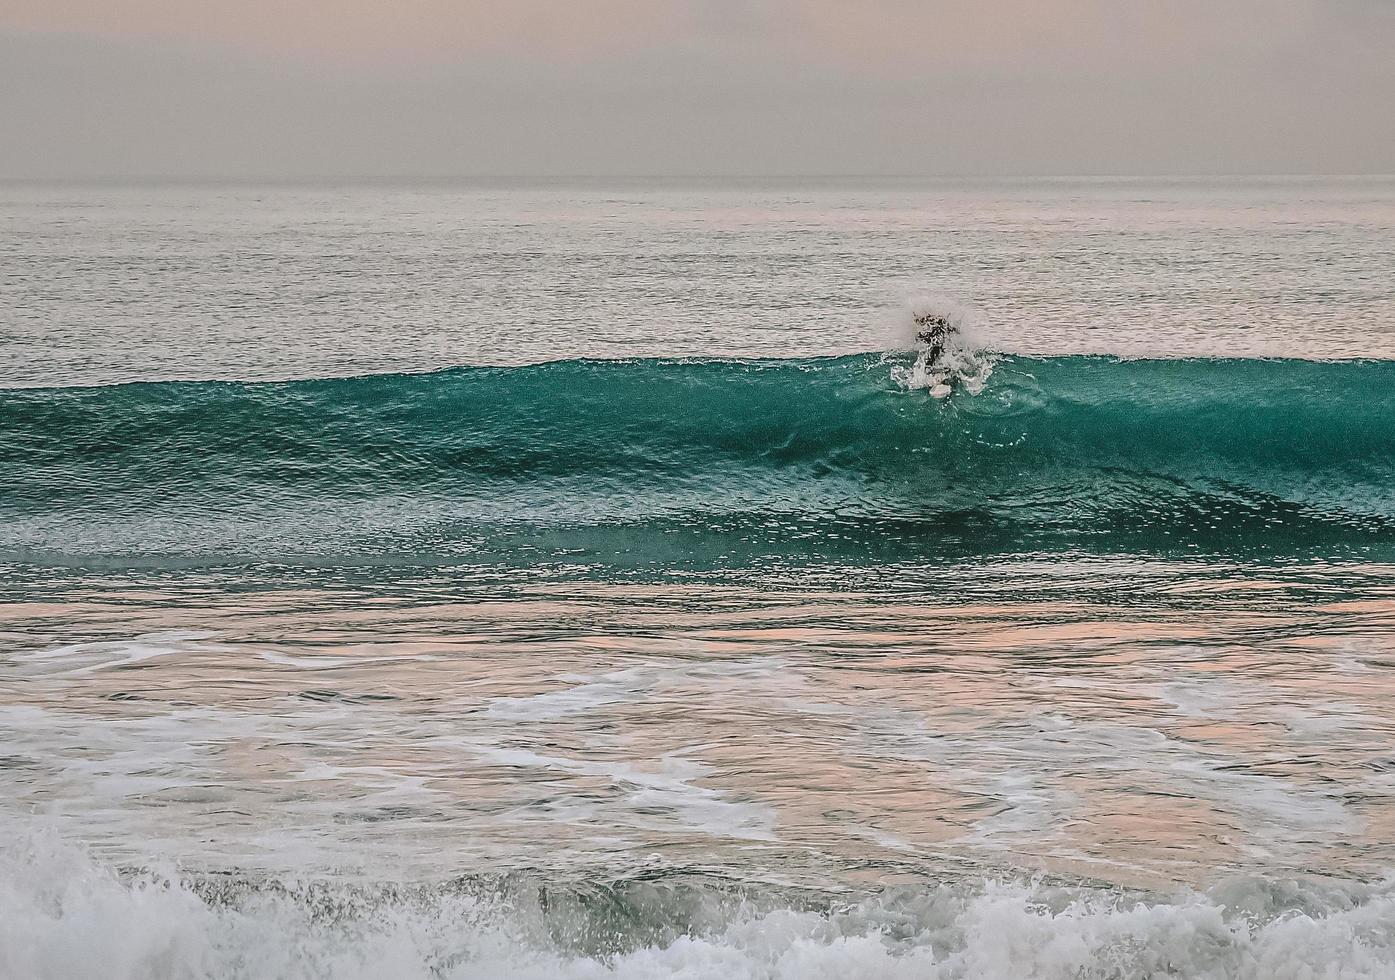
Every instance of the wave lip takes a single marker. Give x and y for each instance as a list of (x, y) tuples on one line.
[(653, 460)]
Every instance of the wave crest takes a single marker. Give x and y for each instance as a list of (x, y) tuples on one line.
[(657, 462), (65, 917)]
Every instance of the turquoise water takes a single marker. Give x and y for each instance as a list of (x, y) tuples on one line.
[(662, 466), (584, 581)]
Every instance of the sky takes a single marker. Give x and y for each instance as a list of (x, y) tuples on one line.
[(305, 88)]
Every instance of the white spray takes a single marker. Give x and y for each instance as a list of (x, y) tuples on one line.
[(958, 360)]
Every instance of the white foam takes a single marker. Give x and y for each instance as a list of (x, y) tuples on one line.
[(966, 361), (86, 658), (66, 917), (590, 693), (651, 794)]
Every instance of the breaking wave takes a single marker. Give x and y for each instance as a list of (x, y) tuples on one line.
[(664, 463), (64, 916)]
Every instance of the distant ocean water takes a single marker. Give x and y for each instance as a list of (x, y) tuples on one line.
[(584, 580)]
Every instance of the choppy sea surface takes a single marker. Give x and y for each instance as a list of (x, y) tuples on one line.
[(592, 579)]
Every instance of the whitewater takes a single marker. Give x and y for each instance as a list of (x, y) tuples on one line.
[(589, 580)]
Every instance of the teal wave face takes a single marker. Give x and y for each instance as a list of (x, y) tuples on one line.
[(662, 464)]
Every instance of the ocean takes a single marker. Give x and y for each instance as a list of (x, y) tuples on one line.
[(594, 579)]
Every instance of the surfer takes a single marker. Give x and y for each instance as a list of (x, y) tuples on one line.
[(933, 330)]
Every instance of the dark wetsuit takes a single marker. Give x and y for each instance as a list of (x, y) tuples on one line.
[(933, 330)]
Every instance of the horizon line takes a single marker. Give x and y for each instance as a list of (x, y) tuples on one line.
[(731, 176)]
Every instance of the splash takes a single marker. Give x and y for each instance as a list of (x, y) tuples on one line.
[(962, 362), (64, 916)]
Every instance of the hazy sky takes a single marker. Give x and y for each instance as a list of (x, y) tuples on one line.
[(536, 87)]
